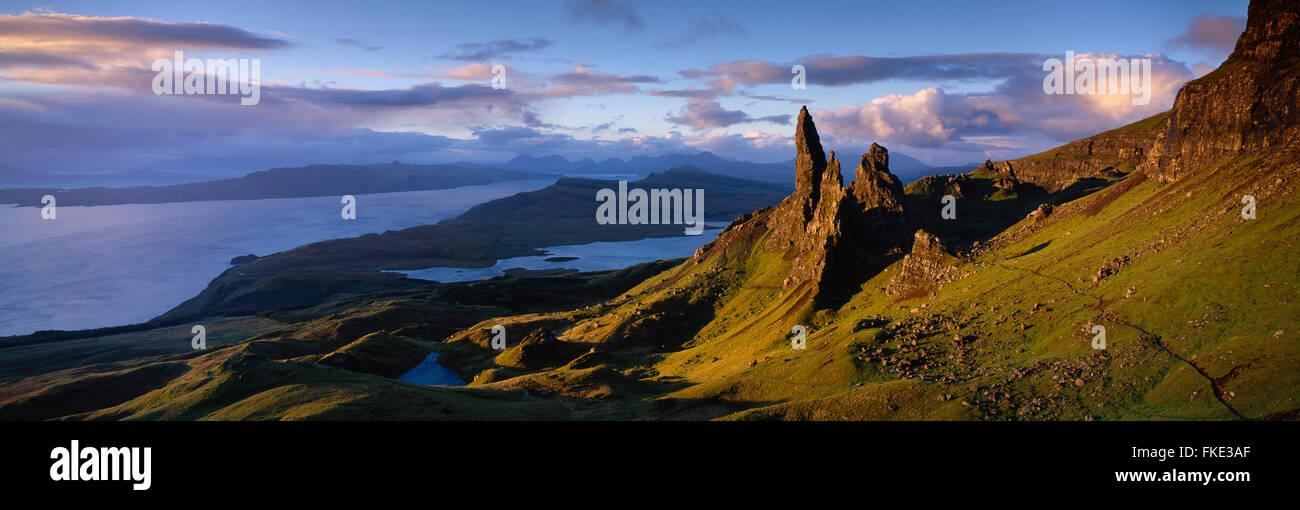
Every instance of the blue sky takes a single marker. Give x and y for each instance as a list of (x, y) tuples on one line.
[(946, 82)]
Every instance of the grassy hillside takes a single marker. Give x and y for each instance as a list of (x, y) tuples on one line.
[(1196, 303)]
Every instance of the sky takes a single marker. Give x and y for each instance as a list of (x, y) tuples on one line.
[(361, 82)]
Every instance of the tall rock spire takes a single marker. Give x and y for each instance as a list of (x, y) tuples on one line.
[(809, 162)]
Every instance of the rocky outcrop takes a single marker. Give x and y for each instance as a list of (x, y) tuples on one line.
[(1042, 212), (1004, 177), (927, 266), (838, 236), (1250, 105), (934, 186)]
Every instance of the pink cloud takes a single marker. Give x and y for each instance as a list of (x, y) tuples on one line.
[(1216, 35)]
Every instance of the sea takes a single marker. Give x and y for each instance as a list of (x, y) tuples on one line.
[(114, 265)]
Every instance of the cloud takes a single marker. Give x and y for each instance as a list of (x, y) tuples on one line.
[(55, 48), (1213, 35), (781, 99), (471, 72), (690, 93), (514, 136), (117, 53), (28, 59), (715, 26), (1018, 107), (750, 145), (927, 118), (430, 105), (86, 134), (605, 12), (859, 69), (606, 126), (703, 114), (477, 51), (356, 43), (117, 123), (424, 94), (63, 31), (467, 72), (583, 82)]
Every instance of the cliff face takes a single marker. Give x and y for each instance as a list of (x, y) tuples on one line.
[(1248, 106), (1055, 169)]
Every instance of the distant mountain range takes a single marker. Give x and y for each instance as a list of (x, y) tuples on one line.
[(906, 167), (305, 181), (323, 180)]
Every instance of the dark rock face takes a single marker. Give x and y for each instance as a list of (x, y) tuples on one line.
[(873, 185), (1081, 158), (809, 162), (927, 266), (1249, 105), (883, 221), (817, 244)]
